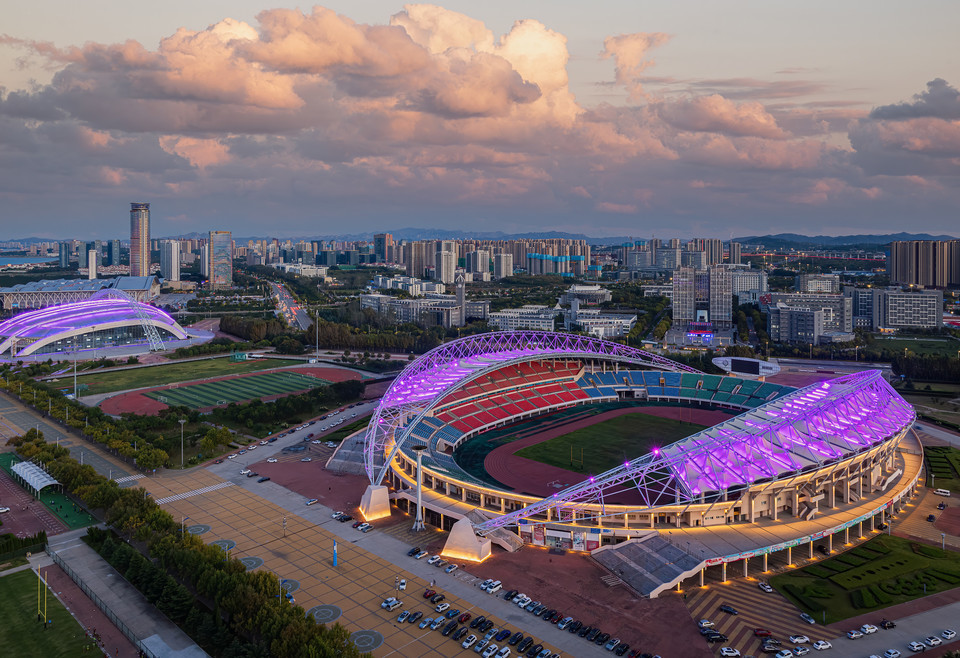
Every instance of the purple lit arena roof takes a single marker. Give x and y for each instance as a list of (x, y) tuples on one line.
[(46, 324)]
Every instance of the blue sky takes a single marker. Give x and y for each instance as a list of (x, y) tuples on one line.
[(667, 118)]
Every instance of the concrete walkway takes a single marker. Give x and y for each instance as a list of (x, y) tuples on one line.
[(157, 633)]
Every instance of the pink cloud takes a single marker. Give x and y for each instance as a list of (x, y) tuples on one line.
[(717, 114)]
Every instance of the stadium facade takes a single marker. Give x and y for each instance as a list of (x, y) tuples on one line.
[(785, 455), (109, 319)]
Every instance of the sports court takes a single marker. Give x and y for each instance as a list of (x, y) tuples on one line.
[(225, 391)]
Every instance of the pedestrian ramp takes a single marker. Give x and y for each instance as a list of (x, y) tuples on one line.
[(649, 564)]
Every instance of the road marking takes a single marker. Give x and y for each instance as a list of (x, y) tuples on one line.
[(129, 478), (195, 492)]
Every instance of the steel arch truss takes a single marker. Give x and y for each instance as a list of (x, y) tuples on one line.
[(806, 430), (150, 331), (443, 369)]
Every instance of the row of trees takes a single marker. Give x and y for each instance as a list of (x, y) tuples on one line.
[(253, 330), (230, 612), (927, 368)]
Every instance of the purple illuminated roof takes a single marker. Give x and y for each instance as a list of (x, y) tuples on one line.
[(46, 324)]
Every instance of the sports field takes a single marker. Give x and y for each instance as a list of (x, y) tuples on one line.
[(600, 447), (122, 380), (236, 389), (23, 635)]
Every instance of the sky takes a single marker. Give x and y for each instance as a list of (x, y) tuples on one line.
[(656, 118)]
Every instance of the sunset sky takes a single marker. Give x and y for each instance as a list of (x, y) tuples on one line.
[(607, 118)]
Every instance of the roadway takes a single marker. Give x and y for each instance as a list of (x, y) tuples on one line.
[(289, 308)]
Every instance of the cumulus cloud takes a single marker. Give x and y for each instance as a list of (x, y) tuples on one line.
[(432, 112)]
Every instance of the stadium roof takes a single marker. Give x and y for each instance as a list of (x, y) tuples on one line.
[(83, 285), (35, 477), (28, 331)]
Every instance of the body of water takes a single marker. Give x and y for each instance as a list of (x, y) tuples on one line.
[(7, 261)]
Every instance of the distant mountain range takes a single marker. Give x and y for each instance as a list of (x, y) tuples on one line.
[(779, 240)]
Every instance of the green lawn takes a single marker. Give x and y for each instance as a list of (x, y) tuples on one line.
[(221, 392), (23, 635), (122, 380), (610, 443), (345, 430), (943, 467), (922, 346), (58, 504), (883, 572)]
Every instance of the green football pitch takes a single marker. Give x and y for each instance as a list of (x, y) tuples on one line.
[(23, 635), (238, 389), (600, 447)]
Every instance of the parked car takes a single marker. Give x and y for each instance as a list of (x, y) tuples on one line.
[(807, 618), (729, 609), (799, 639), (854, 635), (886, 624), (437, 598), (271, 460), (729, 651), (476, 622), (822, 645), (917, 646), (442, 607), (948, 634), (765, 586), (414, 617), (413, 551), (451, 568), (932, 641), (312, 501), (426, 622), (868, 629), (264, 479)]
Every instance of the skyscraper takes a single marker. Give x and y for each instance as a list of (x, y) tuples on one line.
[(502, 265), (220, 252), (139, 239), (64, 255), (735, 248), (170, 260), (113, 252), (382, 246)]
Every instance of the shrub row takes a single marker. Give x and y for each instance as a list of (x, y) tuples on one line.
[(799, 594)]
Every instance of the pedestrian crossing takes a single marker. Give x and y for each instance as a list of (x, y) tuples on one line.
[(191, 494), (756, 608), (129, 478)]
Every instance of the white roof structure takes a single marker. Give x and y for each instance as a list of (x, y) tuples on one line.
[(35, 477)]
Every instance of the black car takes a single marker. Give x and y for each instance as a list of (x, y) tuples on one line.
[(486, 626), (414, 617), (931, 518), (437, 598), (449, 628), (271, 439), (941, 506), (345, 518), (621, 648), (253, 474), (534, 650), (602, 639), (476, 622), (459, 634), (822, 549), (729, 609), (539, 610), (716, 637), (524, 644), (264, 479), (548, 614), (592, 635), (502, 635), (509, 596), (583, 631), (575, 626), (887, 624), (882, 526), (515, 639), (413, 551)]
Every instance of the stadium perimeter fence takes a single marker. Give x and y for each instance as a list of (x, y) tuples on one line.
[(100, 603)]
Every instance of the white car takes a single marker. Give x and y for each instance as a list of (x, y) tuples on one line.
[(868, 629), (336, 515), (503, 653), (705, 623), (402, 585), (469, 642), (948, 634), (435, 624), (854, 635), (306, 459), (252, 446), (420, 555), (451, 568), (485, 584), (4, 509), (730, 651), (489, 651), (272, 460), (784, 653), (801, 651), (933, 641), (403, 616), (481, 645), (244, 471), (917, 646), (264, 442), (434, 559), (799, 639), (891, 653), (765, 586), (442, 607), (363, 526), (822, 645), (233, 456)]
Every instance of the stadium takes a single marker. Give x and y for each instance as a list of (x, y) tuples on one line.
[(109, 320), (766, 468)]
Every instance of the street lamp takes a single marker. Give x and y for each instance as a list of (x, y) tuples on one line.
[(181, 421), (943, 538)]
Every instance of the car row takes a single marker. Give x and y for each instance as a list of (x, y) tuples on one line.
[(341, 517)]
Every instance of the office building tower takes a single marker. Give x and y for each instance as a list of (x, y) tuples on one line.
[(139, 239), (668, 258), (684, 297), (743, 280), (721, 297), (907, 309), (205, 261), (818, 283), (837, 309), (502, 265), (734, 256), (113, 253), (91, 264), (220, 253), (695, 259), (64, 255), (382, 247), (170, 260), (795, 324)]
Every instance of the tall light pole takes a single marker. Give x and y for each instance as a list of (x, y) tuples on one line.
[(181, 421), (418, 524)]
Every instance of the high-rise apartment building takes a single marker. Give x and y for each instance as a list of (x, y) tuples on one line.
[(695, 259), (220, 254), (711, 247), (382, 247), (139, 239), (930, 263), (170, 260), (446, 266), (684, 297), (478, 261), (502, 265), (734, 255), (721, 296), (743, 280), (113, 252), (64, 255)]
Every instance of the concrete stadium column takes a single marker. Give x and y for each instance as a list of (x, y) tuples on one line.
[(503, 505), (724, 572), (872, 517), (677, 519), (765, 562), (846, 487), (832, 493), (600, 521), (860, 530), (860, 484), (789, 555), (463, 494), (446, 488), (651, 519), (830, 542), (745, 561), (773, 499), (846, 536), (626, 520), (751, 512), (795, 502), (811, 549), (702, 571), (549, 514)]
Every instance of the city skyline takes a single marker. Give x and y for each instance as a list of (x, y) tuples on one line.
[(620, 122)]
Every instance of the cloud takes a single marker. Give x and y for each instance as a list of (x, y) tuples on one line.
[(720, 115), (940, 100), (629, 53)]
